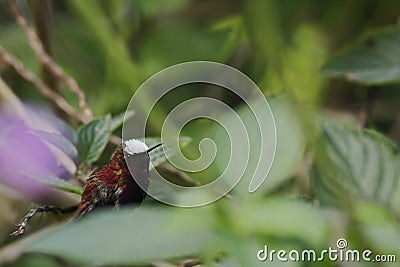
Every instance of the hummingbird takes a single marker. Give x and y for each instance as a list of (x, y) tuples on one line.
[(117, 182), (113, 184)]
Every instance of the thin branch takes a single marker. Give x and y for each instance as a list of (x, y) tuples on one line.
[(191, 263), (47, 61), (40, 85), (21, 227), (394, 132), (366, 112), (42, 15)]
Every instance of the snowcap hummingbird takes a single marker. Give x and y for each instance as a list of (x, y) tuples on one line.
[(115, 183)]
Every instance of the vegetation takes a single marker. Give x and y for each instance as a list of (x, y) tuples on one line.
[(330, 71)]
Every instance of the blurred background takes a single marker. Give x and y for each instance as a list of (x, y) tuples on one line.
[(312, 59)]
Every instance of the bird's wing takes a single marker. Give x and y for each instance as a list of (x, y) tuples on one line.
[(95, 193)]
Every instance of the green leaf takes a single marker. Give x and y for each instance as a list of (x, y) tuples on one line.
[(92, 139), (378, 228), (383, 238), (64, 185), (155, 7), (117, 120), (372, 213), (56, 182), (36, 260), (129, 236), (355, 164), (234, 27), (372, 60), (273, 217), (298, 71), (290, 144)]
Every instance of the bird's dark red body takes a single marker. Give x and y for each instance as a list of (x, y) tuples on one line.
[(113, 184)]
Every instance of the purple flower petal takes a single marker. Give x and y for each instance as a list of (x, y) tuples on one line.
[(24, 155)]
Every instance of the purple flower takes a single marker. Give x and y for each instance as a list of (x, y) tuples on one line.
[(26, 160)]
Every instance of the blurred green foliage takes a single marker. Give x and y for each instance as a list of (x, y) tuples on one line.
[(330, 180)]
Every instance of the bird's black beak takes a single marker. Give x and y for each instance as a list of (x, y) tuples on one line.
[(153, 147)]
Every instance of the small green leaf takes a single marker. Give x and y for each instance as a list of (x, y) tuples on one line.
[(355, 164), (92, 139), (117, 120), (372, 60), (56, 182), (64, 185)]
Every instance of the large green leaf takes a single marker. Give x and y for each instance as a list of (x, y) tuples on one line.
[(355, 164), (290, 142), (372, 60), (378, 227), (273, 217), (35, 261), (130, 236), (148, 234), (92, 139)]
